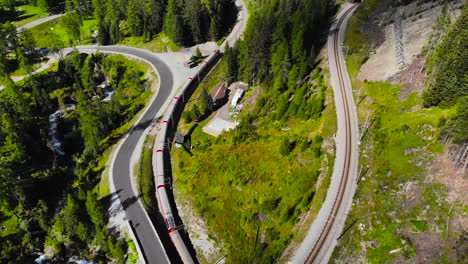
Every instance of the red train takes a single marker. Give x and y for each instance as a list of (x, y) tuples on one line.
[(162, 145)]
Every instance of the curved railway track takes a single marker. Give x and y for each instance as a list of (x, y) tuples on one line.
[(337, 204)]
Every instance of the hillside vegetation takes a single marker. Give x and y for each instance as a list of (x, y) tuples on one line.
[(185, 22), (50, 170), (253, 185), (405, 210), (448, 81)]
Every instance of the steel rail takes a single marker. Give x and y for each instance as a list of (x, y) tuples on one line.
[(312, 257)]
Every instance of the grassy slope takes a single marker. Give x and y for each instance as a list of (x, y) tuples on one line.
[(41, 32), (230, 185), (30, 14), (160, 43), (397, 149), (144, 174)]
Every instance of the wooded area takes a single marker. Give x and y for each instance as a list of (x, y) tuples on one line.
[(186, 21), (48, 190), (448, 73)]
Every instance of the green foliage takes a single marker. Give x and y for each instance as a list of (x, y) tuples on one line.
[(458, 125), (448, 66), (185, 21), (419, 225), (94, 209), (132, 24), (396, 152), (231, 191), (206, 102), (198, 54), (286, 147), (65, 31), (231, 57), (30, 172), (72, 23), (145, 177), (261, 176)]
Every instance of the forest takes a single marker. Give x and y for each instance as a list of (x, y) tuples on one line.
[(55, 127), (448, 74), (185, 21), (254, 183)]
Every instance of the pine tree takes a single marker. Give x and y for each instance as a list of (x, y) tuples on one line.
[(232, 64), (206, 102), (94, 209), (133, 19)]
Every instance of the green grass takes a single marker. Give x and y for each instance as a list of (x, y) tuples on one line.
[(11, 226), (22, 71), (104, 186), (230, 185), (136, 64), (144, 174), (398, 129), (132, 254), (354, 40), (31, 13), (231, 189), (44, 72), (397, 148), (160, 43), (419, 225), (42, 32)]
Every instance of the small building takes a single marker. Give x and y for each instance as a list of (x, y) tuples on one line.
[(240, 88), (237, 97), (179, 140), (219, 94)]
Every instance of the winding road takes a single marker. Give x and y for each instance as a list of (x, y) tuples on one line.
[(322, 236), (121, 167)]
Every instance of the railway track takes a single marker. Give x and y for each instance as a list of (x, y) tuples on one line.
[(337, 204)]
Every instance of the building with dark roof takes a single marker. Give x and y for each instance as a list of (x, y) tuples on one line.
[(219, 94)]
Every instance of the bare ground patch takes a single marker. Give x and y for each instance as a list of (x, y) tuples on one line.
[(412, 78), (416, 27), (208, 250), (444, 170)]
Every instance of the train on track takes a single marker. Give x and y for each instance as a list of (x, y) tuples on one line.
[(162, 148)]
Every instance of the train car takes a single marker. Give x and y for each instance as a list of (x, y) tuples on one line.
[(186, 86), (180, 245), (160, 181), (161, 192), (165, 208)]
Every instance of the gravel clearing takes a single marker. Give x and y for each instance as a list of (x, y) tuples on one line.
[(416, 30)]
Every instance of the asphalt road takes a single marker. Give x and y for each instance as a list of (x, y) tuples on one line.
[(322, 236), (239, 28), (39, 21), (152, 248)]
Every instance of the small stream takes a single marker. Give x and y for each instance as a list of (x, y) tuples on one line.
[(53, 133)]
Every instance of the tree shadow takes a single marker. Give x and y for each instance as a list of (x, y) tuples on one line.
[(141, 126), (129, 201)]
